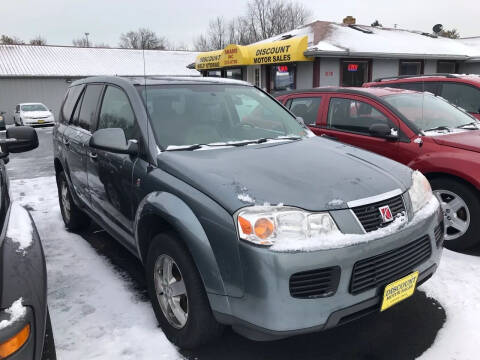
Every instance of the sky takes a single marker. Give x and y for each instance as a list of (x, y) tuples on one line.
[(60, 21)]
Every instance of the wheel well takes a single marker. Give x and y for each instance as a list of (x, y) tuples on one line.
[(148, 227), (432, 176), (58, 166)]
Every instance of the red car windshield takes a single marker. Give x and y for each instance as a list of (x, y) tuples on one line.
[(429, 112)]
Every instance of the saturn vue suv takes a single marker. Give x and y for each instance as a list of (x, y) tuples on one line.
[(240, 215)]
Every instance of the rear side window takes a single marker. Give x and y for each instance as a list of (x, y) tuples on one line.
[(306, 108), (86, 117), (116, 112), (354, 116), (465, 96), (70, 101)]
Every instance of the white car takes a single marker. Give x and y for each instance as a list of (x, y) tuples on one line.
[(32, 114)]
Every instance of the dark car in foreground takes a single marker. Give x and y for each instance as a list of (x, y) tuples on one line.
[(240, 215), (25, 328), (420, 130), (461, 90)]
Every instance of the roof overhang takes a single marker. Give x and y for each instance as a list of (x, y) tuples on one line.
[(346, 53)]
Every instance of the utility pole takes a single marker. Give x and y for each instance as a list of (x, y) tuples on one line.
[(86, 35)]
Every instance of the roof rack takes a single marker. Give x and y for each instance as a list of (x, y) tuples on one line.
[(414, 76)]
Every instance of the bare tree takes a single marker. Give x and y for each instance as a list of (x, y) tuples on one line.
[(102, 45), (38, 41), (10, 40), (143, 38), (81, 42), (263, 19), (452, 34)]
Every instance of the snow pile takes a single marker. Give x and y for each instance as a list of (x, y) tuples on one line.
[(336, 202), (16, 311), (457, 288), (90, 303), (340, 240), (19, 228)]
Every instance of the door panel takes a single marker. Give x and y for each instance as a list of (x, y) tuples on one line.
[(348, 119)]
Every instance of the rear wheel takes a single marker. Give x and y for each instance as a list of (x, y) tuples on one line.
[(73, 217), (177, 294), (461, 207)]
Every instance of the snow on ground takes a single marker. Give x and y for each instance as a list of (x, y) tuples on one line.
[(95, 315), (456, 286)]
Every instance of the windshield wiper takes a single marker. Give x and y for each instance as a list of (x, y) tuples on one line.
[(473, 125), (184, 148), (439, 128)]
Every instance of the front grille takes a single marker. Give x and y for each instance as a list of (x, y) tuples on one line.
[(438, 232), (315, 283), (370, 217), (381, 269)]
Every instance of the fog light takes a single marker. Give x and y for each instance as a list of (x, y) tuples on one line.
[(15, 342)]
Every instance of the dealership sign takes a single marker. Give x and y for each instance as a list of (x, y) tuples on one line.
[(276, 52)]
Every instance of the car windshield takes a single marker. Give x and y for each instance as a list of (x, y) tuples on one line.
[(34, 107), (216, 114), (429, 112)]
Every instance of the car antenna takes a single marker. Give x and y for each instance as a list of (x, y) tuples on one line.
[(149, 167)]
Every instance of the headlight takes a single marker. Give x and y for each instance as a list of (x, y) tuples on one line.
[(263, 225), (420, 192)]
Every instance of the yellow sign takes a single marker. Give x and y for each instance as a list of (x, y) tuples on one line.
[(208, 60), (399, 290), (276, 52)]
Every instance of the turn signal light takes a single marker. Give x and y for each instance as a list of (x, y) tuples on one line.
[(15, 342), (263, 228), (245, 225)]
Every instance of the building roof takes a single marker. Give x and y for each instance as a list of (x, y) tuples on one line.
[(66, 61), (334, 39)]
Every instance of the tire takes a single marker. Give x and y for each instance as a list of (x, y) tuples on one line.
[(73, 217), (48, 352), (461, 209), (199, 327)]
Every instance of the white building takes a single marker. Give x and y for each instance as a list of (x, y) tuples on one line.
[(42, 73)]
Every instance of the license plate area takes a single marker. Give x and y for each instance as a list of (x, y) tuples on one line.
[(399, 290)]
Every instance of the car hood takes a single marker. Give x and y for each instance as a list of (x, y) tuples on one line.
[(314, 174), (467, 140), (36, 113)]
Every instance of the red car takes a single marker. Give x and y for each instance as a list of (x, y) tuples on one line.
[(460, 90), (420, 130)]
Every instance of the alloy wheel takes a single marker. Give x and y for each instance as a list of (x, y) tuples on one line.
[(455, 213), (171, 291)]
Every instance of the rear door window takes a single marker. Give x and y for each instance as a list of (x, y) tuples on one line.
[(465, 96), (70, 102), (354, 116), (306, 108), (86, 117)]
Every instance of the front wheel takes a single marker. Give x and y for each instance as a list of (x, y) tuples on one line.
[(461, 208), (177, 294)]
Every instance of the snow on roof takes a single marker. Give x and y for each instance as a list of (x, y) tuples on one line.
[(332, 39), (28, 60)]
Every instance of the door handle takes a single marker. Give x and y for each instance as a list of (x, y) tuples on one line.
[(329, 137), (92, 155)]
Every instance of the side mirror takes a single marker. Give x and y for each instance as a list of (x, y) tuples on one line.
[(382, 131), (113, 140), (19, 139)]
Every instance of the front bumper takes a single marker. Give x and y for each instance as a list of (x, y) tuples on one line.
[(268, 311)]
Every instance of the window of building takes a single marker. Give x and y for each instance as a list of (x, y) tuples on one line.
[(283, 77), (86, 116), (306, 108), (234, 74), (257, 77), (447, 67), (354, 73), (214, 73), (354, 116), (465, 96), (116, 112), (411, 67)]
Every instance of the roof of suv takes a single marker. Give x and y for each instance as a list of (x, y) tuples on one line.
[(372, 92), (470, 78), (162, 80)]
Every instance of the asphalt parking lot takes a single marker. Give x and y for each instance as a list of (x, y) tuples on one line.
[(403, 332)]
